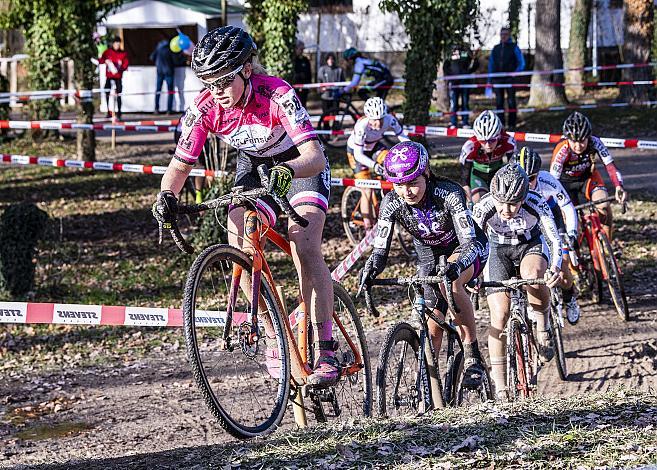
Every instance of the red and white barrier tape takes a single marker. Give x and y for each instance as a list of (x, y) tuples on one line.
[(47, 94), (102, 166), (54, 125), (553, 84), (525, 73), (77, 314), (549, 108), (155, 170)]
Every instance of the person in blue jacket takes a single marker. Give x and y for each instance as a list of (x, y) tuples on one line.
[(505, 57), (165, 62)]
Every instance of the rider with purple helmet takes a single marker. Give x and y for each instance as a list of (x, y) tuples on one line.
[(434, 211)]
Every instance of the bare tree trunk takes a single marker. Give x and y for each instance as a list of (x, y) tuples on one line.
[(548, 56), (440, 93), (579, 27), (639, 27)]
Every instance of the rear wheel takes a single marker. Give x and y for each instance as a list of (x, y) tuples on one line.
[(337, 122), (398, 384), (613, 276), (244, 381), (556, 319)]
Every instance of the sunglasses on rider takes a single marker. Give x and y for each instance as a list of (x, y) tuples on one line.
[(489, 141), (222, 82)]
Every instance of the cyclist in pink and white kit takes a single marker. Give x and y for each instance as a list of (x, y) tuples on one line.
[(262, 118)]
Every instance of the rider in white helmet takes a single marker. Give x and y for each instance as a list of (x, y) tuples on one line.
[(366, 151), (484, 153)]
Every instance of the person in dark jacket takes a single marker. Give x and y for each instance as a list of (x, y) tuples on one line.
[(505, 57), (116, 61), (329, 73), (302, 72), (461, 62), (165, 63)]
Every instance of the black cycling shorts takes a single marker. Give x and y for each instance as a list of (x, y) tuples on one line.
[(504, 260), (427, 265), (312, 191)]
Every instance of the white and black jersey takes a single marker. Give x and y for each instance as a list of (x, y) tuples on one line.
[(557, 197), (534, 219)]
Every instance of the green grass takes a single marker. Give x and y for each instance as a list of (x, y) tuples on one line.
[(596, 430)]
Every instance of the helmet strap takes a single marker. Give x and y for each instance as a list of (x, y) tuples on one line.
[(247, 83)]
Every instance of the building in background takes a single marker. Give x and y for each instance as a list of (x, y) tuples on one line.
[(142, 24)]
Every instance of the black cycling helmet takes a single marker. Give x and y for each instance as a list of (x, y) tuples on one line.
[(510, 184), (221, 51), (350, 53), (529, 160), (577, 127)]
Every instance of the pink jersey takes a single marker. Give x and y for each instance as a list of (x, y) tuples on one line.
[(272, 123)]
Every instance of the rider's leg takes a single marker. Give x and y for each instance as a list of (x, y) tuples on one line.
[(568, 291), (604, 209), (533, 266), (316, 285), (498, 303), (366, 209)]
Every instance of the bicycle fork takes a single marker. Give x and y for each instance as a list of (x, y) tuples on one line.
[(428, 380)]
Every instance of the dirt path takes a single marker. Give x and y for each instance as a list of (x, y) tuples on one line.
[(146, 413)]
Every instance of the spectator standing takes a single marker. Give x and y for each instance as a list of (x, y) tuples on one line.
[(461, 62), (328, 73), (165, 62), (302, 72), (116, 62), (505, 57)]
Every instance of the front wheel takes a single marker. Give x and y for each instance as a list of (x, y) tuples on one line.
[(352, 219), (556, 318), (244, 378), (399, 385), (612, 275), (518, 374)]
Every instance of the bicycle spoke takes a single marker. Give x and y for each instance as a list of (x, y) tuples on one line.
[(242, 378)]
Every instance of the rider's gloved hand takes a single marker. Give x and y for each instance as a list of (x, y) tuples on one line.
[(621, 195), (379, 170), (552, 278), (280, 179), (165, 207), (374, 266), (453, 271)]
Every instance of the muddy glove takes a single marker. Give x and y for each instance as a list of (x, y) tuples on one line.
[(453, 271), (165, 208), (379, 170), (552, 278), (374, 266), (621, 195), (280, 179)]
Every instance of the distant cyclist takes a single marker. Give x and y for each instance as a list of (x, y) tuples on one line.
[(380, 77), (573, 163), (564, 214), (523, 237), (433, 210), (366, 151), (483, 154)]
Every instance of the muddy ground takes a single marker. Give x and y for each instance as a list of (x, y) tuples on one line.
[(145, 412)]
